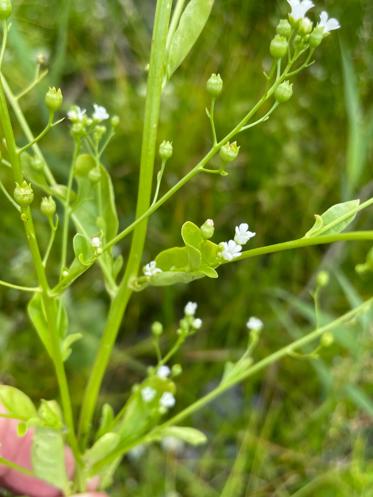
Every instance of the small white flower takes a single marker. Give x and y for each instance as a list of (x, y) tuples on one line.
[(136, 452), (76, 114), (173, 444), (328, 24), (151, 269), (243, 235), (163, 372), (148, 394), (197, 324), (299, 8), (96, 242), (254, 324), (100, 113), (230, 250), (167, 400), (190, 309)]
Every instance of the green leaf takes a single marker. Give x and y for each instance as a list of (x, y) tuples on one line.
[(48, 457), (209, 272), (107, 418), (68, 343), (194, 258), (192, 22), (37, 316), (192, 235), (167, 278), (50, 415), (186, 434), (172, 259), (335, 219), (83, 250), (17, 403), (210, 253), (101, 448)]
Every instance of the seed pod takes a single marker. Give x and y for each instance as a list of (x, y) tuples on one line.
[(24, 194), (54, 99), (279, 47), (284, 28), (48, 206), (214, 85), (316, 37), (166, 150), (284, 92), (94, 175), (84, 164), (229, 152)]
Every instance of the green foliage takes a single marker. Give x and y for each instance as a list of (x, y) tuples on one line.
[(335, 219)]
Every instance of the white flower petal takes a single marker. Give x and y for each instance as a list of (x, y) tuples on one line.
[(163, 372), (254, 324), (167, 400), (190, 309)]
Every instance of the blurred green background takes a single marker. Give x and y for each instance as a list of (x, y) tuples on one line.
[(303, 427)]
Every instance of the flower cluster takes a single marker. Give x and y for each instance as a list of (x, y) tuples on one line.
[(233, 248), (299, 9), (151, 269), (190, 324), (84, 125), (159, 390)]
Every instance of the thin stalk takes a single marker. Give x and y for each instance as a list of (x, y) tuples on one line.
[(119, 303), (19, 287), (175, 21), (4, 42), (224, 386), (48, 302)]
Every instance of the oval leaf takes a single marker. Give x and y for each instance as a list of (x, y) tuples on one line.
[(17, 403), (335, 219), (192, 22), (48, 457)]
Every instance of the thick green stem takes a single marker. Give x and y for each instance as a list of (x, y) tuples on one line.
[(119, 303)]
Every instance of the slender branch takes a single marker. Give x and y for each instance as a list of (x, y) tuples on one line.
[(21, 288), (16, 467), (38, 78)]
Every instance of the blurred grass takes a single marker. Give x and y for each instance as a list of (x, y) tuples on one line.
[(304, 427)]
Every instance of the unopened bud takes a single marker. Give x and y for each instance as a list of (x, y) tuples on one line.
[(284, 28), (37, 163), (115, 121), (229, 152), (157, 328), (327, 339), (322, 279), (316, 37), (284, 92), (305, 26), (5, 9), (94, 175), (24, 194), (279, 47), (214, 85), (176, 370), (84, 164), (48, 206), (54, 99), (166, 150), (208, 229)]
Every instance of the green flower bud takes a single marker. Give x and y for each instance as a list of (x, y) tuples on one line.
[(157, 328), (305, 26), (229, 152), (214, 85), (5, 9), (54, 99), (284, 28), (284, 92), (327, 339), (99, 132), (94, 175), (176, 370), (115, 121), (208, 229), (166, 150), (48, 206), (78, 130), (279, 47), (37, 163), (322, 279), (84, 164), (24, 194), (316, 37)]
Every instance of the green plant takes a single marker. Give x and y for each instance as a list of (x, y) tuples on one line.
[(87, 203)]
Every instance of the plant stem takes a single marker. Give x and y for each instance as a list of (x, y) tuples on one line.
[(119, 303), (21, 288), (224, 386), (48, 302)]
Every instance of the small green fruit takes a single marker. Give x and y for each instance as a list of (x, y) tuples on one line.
[(24, 194), (279, 47), (229, 152), (284, 92), (214, 85)]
